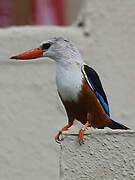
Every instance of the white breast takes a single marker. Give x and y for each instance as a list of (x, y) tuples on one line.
[(68, 80)]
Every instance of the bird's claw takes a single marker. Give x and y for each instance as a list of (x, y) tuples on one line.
[(58, 141), (58, 137), (81, 142)]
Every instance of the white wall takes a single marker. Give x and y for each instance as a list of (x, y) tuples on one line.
[(30, 110)]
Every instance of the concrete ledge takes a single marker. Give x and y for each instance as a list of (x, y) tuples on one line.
[(105, 155)]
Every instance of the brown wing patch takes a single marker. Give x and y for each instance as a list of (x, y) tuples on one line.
[(87, 108)]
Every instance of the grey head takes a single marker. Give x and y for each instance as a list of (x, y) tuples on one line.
[(59, 49)]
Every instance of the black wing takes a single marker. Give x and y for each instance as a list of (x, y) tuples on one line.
[(95, 83)]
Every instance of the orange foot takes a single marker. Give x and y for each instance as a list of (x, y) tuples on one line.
[(81, 132), (57, 137), (80, 136)]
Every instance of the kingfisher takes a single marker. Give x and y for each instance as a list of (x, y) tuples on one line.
[(78, 85)]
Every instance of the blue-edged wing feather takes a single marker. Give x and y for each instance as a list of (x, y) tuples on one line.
[(116, 124), (95, 83)]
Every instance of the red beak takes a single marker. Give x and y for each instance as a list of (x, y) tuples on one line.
[(31, 54)]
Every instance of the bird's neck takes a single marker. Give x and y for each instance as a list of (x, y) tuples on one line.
[(70, 63)]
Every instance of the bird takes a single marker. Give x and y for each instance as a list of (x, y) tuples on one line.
[(79, 86)]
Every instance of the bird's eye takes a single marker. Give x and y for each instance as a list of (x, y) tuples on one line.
[(45, 46)]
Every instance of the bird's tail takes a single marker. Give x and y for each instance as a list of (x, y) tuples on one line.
[(116, 124)]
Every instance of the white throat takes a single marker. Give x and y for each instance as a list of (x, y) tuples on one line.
[(69, 79)]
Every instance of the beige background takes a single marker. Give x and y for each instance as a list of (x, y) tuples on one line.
[(31, 112)]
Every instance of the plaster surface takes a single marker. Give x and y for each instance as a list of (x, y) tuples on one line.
[(31, 112), (105, 155)]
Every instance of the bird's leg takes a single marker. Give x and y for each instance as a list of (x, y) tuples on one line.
[(82, 130), (57, 137)]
